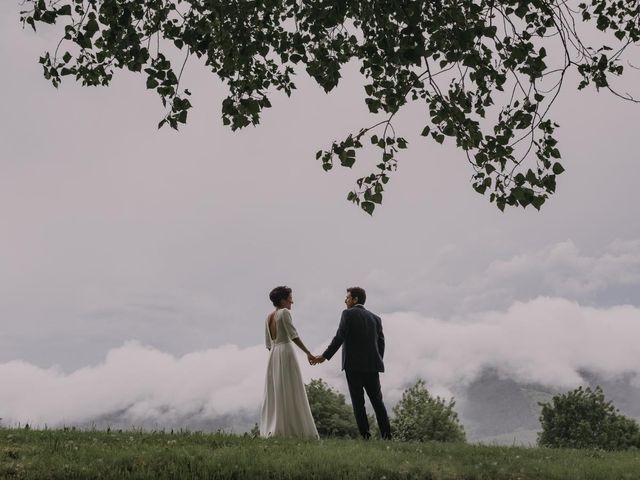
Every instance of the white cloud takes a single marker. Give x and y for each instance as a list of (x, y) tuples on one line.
[(547, 341), (142, 381), (566, 271), (607, 277)]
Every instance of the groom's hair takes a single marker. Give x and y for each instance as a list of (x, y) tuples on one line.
[(359, 293), (278, 294)]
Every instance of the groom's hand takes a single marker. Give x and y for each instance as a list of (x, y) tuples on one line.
[(319, 359)]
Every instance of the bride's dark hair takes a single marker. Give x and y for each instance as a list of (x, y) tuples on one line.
[(278, 294)]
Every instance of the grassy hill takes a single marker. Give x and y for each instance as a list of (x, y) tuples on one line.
[(60, 454)]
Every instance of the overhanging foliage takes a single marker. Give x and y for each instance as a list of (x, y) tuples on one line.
[(486, 72)]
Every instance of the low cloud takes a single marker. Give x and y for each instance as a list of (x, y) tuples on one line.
[(140, 382), (546, 341)]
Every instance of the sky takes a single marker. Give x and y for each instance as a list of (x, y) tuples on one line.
[(135, 263)]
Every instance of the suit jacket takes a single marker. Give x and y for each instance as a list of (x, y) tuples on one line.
[(362, 341)]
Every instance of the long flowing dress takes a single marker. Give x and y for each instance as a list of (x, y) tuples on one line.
[(285, 411)]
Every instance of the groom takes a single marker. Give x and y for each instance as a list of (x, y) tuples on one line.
[(362, 341)]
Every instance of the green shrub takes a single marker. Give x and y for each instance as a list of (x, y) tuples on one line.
[(333, 416), (582, 418), (422, 417)]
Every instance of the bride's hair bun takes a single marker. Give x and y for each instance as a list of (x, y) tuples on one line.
[(278, 294)]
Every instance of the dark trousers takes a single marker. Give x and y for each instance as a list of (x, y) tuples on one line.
[(359, 382)]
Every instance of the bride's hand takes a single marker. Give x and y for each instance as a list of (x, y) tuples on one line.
[(311, 358)]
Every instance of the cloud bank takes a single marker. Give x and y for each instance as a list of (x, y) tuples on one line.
[(546, 341), (608, 277)]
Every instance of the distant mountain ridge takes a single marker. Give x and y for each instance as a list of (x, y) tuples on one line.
[(500, 410)]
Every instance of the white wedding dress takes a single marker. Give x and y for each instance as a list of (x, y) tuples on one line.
[(285, 411)]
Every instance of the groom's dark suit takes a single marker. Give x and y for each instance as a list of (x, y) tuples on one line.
[(362, 341)]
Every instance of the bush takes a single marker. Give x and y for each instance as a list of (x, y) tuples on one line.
[(419, 416), (333, 417), (582, 418)]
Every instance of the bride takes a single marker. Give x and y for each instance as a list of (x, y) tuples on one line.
[(285, 411)]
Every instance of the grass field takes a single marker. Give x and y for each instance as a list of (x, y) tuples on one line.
[(58, 454)]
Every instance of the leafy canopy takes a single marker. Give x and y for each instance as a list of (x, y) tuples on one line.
[(582, 418), (486, 72), (419, 416)]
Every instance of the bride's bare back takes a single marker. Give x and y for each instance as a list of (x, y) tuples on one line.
[(273, 328)]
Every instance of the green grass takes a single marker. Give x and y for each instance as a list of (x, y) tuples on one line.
[(57, 454)]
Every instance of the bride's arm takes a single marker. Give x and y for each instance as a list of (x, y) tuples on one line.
[(299, 343), (267, 336), (292, 333)]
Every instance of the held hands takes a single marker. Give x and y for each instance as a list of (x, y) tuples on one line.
[(315, 360)]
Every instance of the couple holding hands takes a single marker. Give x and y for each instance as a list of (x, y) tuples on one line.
[(285, 409)]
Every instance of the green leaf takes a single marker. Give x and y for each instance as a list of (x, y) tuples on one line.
[(490, 31), (538, 201), (83, 41), (152, 82), (437, 137), (48, 16), (64, 10), (531, 177), (368, 207), (91, 28), (347, 161), (557, 168), (480, 188)]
